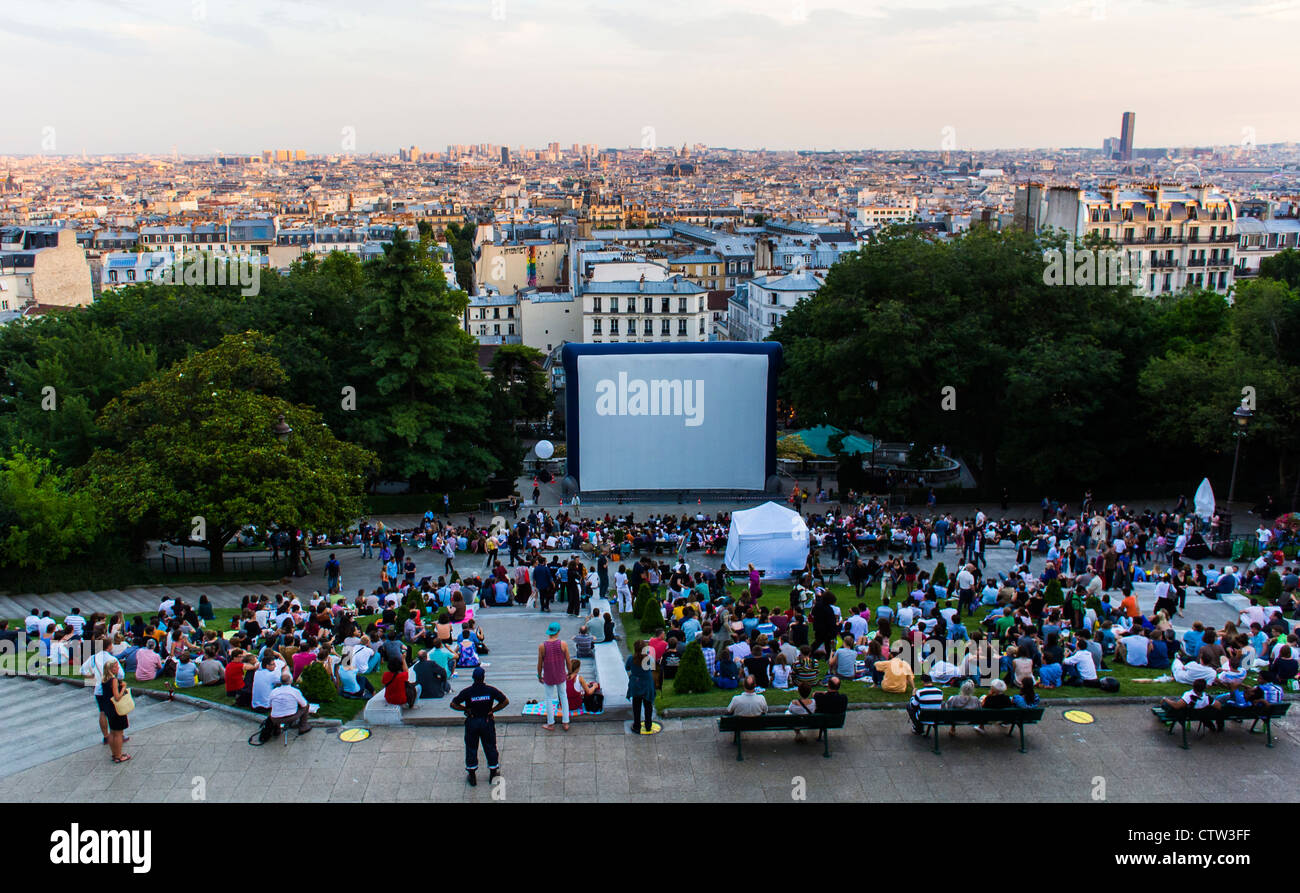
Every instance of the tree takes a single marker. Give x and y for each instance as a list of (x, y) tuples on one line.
[(969, 346), (193, 453), (71, 371), (693, 672), (940, 577), (425, 404), (460, 238), (1283, 266), (519, 393), (1052, 594), (43, 519)]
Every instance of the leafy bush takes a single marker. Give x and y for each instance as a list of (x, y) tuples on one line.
[(692, 673), (1052, 596), (1272, 588), (652, 616), (643, 595), (316, 684), (940, 577)]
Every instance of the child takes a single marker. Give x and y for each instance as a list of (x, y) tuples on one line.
[(466, 654)]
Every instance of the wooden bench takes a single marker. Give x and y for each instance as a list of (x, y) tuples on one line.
[(1013, 717), (781, 722), (1206, 715), (737, 576)]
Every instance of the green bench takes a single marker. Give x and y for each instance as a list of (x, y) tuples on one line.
[(1012, 717), (781, 722), (1265, 714)]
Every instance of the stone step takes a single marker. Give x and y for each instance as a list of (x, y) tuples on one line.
[(45, 721)]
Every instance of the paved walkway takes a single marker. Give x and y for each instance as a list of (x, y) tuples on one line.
[(875, 758)]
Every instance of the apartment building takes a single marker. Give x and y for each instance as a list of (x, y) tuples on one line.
[(767, 300), (675, 309), (1178, 237), (538, 319), (42, 266), (1261, 237)]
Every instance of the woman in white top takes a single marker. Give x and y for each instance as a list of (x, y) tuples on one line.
[(622, 589)]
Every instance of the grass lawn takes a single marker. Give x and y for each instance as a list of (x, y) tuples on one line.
[(777, 596), (341, 708)]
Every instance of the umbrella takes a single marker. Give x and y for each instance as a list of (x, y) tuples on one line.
[(1204, 500)]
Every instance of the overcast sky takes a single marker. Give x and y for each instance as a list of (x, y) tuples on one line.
[(108, 76)]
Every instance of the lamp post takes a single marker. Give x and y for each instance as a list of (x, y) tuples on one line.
[(282, 432), (1241, 416)]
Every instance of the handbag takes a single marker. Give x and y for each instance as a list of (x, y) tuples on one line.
[(124, 704)]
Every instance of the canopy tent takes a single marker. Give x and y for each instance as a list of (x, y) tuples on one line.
[(771, 537), (1204, 500), (817, 440)]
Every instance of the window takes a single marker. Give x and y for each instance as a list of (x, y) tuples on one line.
[(649, 305), (666, 328), (713, 269), (681, 305), (681, 327), (112, 275), (496, 329), (595, 327), (663, 305), (701, 325), (595, 304), (731, 266), (649, 327), (613, 305), (510, 329), (771, 319), (774, 298), (613, 326), (130, 275)]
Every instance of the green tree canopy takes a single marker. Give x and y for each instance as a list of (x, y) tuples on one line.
[(193, 451), (43, 519)]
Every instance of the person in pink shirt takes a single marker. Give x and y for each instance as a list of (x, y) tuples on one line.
[(147, 661), (301, 659)]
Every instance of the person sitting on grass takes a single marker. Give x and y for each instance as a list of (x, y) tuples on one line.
[(728, 674)]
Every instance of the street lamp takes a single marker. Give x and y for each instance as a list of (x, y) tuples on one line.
[(1242, 416)]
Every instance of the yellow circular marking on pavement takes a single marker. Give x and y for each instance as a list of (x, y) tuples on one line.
[(352, 736), (655, 728), (1082, 717)]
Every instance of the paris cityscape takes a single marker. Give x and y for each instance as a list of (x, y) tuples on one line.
[(627, 403)]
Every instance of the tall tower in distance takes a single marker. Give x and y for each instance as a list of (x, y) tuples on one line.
[(1126, 136)]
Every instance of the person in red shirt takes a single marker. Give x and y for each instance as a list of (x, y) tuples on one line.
[(397, 684), (235, 673)]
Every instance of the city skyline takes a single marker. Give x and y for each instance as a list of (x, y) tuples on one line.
[(233, 77)]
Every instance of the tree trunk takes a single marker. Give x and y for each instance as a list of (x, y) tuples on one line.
[(216, 555)]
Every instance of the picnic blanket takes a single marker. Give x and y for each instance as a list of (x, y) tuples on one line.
[(539, 709)]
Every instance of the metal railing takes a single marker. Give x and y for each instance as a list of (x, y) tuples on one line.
[(231, 563)]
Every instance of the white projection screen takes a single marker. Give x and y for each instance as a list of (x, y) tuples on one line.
[(670, 416)]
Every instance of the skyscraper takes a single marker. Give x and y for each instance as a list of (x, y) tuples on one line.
[(1126, 136)]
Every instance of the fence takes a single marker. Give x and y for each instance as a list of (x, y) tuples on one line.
[(231, 563)]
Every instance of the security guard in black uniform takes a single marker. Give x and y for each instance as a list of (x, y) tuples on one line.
[(478, 703)]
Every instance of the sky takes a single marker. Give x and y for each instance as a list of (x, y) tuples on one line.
[(204, 76)]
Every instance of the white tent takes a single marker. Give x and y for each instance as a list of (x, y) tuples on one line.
[(771, 537), (1204, 500)]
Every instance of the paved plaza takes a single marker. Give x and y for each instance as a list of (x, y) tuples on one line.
[(875, 759)]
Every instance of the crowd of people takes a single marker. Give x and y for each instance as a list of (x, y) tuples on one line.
[(1064, 611)]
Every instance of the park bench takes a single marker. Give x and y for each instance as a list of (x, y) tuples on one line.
[(734, 576), (1205, 716), (1012, 717), (782, 722)]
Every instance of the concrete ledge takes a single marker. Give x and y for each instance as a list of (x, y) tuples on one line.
[(378, 712)]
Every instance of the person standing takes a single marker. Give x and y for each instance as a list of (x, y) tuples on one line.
[(573, 587), (96, 666), (553, 672), (479, 702), (115, 690), (641, 687), (334, 575), (602, 573)]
